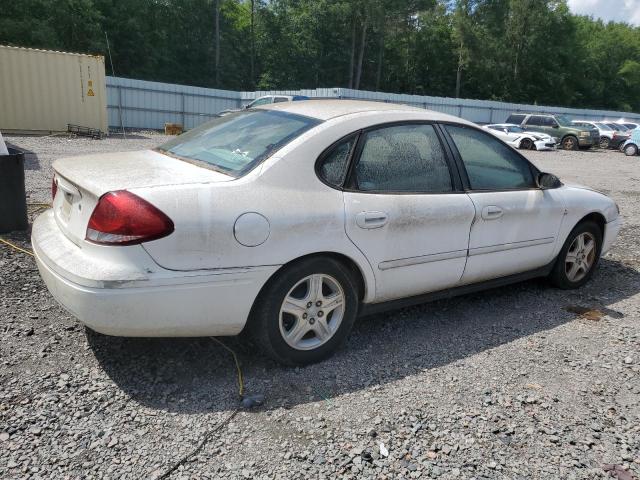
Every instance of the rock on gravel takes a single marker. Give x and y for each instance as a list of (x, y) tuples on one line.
[(504, 384)]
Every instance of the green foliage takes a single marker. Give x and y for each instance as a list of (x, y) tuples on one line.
[(532, 51)]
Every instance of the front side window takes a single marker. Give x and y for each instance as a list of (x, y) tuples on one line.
[(280, 99), (549, 122), (235, 143), (534, 120), (490, 164), (403, 158), (333, 166)]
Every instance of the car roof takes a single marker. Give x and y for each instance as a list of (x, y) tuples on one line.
[(327, 109)]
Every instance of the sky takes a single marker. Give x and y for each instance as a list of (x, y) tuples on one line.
[(617, 10)]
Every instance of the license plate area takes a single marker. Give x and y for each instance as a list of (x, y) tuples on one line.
[(65, 208)]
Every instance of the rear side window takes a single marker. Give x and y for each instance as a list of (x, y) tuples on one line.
[(235, 143), (403, 158), (333, 165), (516, 118), (490, 164)]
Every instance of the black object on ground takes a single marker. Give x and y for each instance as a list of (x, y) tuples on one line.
[(13, 201)]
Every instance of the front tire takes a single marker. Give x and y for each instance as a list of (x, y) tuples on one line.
[(527, 144), (306, 311), (631, 150), (605, 142), (579, 257)]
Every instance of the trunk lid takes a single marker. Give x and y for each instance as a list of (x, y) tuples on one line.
[(83, 180)]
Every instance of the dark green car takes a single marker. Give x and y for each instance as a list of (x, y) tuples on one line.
[(567, 134)]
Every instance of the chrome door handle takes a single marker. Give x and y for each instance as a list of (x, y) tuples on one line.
[(492, 212), (371, 219)]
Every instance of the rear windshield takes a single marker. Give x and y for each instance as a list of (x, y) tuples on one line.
[(237, 142)]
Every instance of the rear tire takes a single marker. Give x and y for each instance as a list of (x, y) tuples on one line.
[(579, 257), (305, 312), (570, 143)]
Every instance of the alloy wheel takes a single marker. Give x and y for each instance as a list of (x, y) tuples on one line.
[(569, 143), (580, 257), (312, 312), (526, 144)]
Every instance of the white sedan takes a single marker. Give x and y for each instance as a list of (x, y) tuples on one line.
[(518, 137), (291, 219)]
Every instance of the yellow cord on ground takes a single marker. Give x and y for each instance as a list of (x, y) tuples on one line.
[(238, 369), (17, 247), (39, 204)]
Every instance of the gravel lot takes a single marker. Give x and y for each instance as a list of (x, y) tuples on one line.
[(524, 382)]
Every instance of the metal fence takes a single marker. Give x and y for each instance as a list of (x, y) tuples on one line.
[(149, 105), (142, 104)]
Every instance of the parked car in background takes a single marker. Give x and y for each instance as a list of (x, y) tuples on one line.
[(629, 125), (265, 100), (291, 219), (621, 127), (609, 136), (632, 146), (571, 136), (518, 137)]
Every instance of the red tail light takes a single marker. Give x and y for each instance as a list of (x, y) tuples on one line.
[(54, 188), (122, 218)]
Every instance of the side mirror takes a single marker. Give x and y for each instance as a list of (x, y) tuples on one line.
[(556, 126), (547, 181)]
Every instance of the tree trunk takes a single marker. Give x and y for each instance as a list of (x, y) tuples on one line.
[(253, 44), (459, 73), (217, 35), (380, 58), (353, 51), (363, 41)]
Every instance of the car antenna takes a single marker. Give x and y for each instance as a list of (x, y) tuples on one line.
[(124, 135)]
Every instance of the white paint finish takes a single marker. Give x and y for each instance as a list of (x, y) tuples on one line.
[(526, 217), (104, 172), (418, 244), (417, 227), (251, 229)]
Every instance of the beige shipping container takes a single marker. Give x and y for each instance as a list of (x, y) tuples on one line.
[(42, 91)]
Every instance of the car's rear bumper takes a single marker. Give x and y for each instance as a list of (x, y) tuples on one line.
[(159, 304), (611, 231)]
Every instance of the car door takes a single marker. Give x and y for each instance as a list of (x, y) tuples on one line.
[(516, 223), (406, 211)]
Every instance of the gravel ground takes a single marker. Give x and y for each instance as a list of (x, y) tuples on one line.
[(524, 382)]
